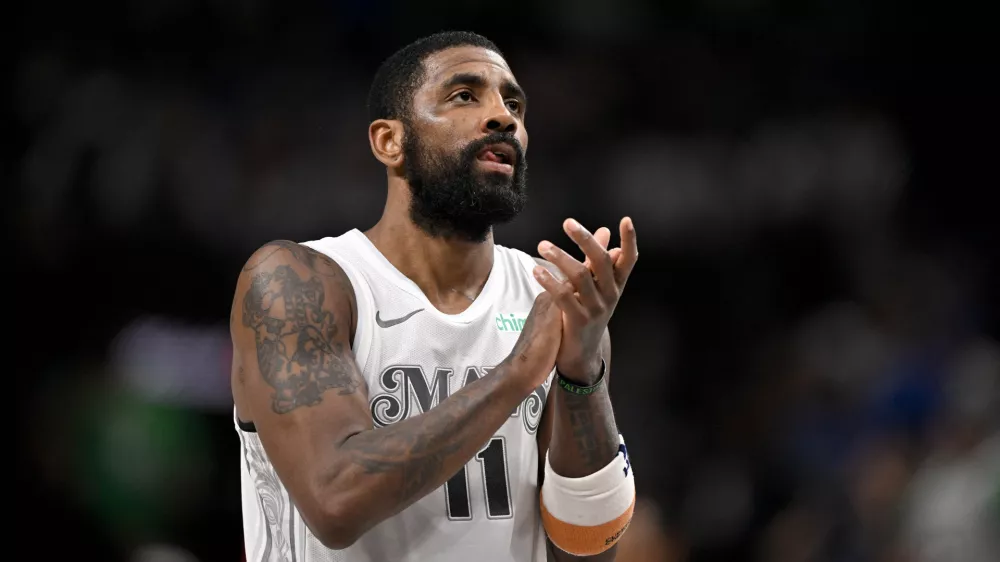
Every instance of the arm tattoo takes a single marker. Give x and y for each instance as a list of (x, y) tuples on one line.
[(418, 451), (588, 434), (584, 433), (294, 335)]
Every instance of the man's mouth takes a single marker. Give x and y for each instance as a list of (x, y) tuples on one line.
[(499, 152)]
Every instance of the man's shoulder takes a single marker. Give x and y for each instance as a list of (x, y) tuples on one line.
[(283, 268), (281, 259), (288, 252)]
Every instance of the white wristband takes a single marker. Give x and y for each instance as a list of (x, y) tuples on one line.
[(586, 516)]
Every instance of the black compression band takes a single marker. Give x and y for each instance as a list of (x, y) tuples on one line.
[(574, 388)]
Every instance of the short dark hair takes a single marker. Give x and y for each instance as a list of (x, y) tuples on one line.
[(391, 94)]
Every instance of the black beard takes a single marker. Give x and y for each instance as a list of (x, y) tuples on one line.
[(453, 199)]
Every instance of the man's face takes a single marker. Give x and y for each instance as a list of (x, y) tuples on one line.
[(464, 145)]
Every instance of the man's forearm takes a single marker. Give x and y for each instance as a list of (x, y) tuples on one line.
[(389, 468), (584, 440), (584, 434)]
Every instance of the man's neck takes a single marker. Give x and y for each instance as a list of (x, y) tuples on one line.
[(450, 272)]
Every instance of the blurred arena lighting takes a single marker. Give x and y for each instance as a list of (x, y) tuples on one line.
[(143, 467), (172, 362), (973, 389), (845, 170), (718, 504), (162, 553)]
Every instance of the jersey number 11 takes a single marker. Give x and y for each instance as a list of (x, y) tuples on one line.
[(492, 461)]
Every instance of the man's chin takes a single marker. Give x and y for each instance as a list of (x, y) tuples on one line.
[(498, 185), (502, 210)]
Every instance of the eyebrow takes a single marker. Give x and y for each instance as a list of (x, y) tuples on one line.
[(508, 88)]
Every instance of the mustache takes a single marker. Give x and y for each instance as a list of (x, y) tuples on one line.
[(476, 146)]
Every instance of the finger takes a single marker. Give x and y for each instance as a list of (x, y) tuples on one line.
[(562, 293), (579, 276), (625, 260), (603, 237), (615, 253), (600, 263)]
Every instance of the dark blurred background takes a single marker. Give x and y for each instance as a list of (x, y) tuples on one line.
[(807, 354)]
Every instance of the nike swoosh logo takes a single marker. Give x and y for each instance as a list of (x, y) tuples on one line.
[(390, 323)]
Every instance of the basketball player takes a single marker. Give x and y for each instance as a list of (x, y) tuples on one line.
[(416, 391)]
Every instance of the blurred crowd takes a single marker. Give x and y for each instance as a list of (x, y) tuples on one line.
[(807, 363)]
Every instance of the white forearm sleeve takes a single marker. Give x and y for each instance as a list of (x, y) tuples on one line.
[(586, 516)]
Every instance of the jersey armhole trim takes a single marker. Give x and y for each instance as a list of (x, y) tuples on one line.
[(362, 343), (247, 427)]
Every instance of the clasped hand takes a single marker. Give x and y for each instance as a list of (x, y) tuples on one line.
[(587, 293)]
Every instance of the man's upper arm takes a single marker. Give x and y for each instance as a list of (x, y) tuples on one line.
[(291, 326)]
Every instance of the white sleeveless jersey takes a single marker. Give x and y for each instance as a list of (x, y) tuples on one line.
[(412, 357)]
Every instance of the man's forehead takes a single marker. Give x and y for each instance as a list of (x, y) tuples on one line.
[(443, 64)]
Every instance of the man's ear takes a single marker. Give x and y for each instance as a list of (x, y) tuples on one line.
[(386, 139)]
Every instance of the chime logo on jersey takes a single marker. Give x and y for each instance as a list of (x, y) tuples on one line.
[(404, 391), (509, 322)]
